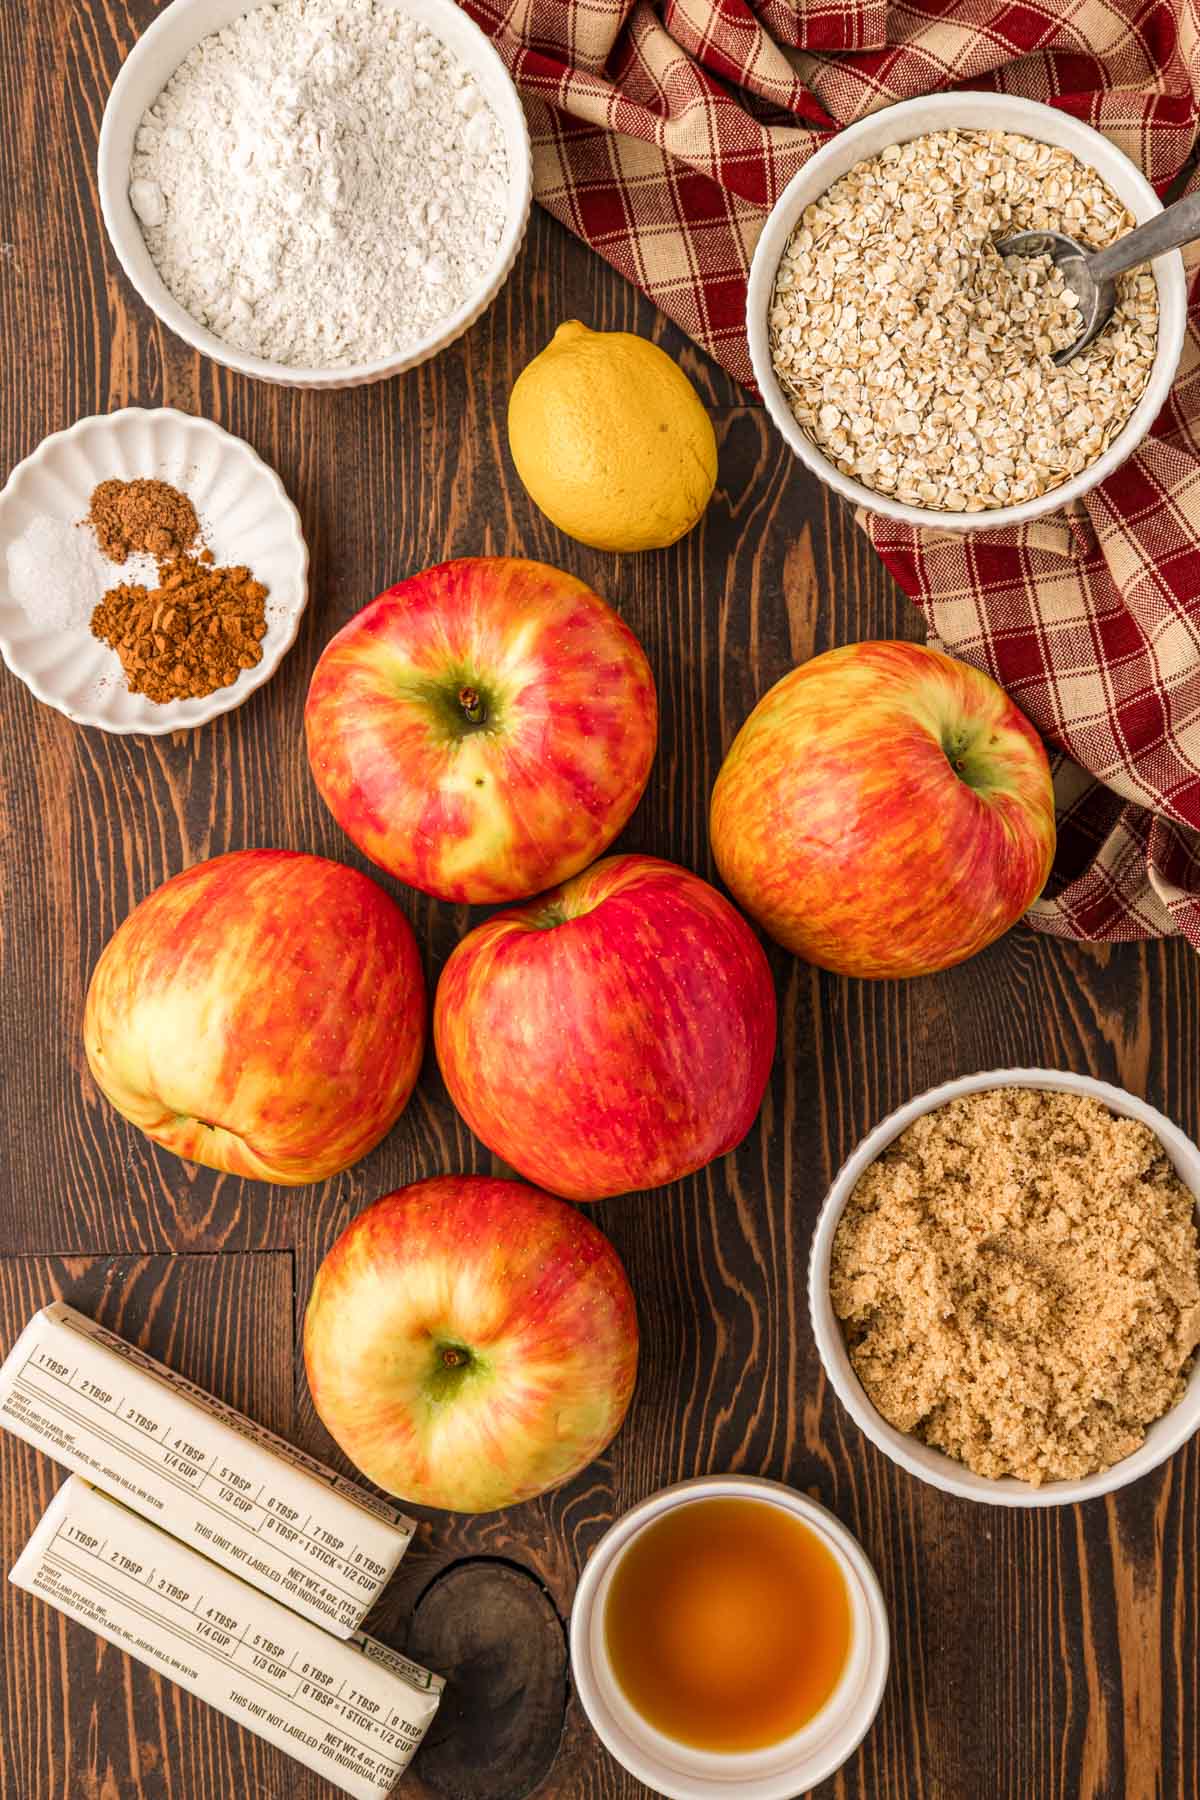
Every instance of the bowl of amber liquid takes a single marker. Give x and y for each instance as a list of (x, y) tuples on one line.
[(729, 1637)]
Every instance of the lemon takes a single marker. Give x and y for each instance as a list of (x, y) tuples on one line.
[(611, 440)]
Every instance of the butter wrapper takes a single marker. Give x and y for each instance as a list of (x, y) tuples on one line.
[(242, 1496), (353, 1711)]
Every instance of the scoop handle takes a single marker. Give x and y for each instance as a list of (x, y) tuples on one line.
[(1178, 224)]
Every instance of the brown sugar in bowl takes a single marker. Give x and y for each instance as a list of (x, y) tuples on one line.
[(1166, 1435)]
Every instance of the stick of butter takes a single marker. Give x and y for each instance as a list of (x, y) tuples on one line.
[(354, 1711), (239, 1494)]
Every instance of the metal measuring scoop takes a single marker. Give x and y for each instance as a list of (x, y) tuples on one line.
[(1091, 274)]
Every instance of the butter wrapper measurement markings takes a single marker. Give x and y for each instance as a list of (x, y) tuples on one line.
[(214, 1479), (354, 1710)]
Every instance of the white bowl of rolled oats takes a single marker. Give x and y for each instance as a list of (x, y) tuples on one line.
[(1005, 1276), (907, 363)]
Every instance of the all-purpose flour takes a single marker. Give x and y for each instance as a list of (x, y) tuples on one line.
[(321, 182)]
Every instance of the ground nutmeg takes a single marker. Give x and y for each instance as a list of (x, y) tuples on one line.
[(146, 516)]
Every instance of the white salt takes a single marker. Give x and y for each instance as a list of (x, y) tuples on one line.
[(56, 574)]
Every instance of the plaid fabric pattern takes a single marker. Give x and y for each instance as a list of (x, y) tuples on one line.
[(1092, 623), (663, 133)]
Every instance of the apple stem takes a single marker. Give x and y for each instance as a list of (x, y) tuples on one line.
[(472, 705), (452, 1358), (954, 748)]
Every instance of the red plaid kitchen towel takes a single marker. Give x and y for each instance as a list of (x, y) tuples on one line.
[(663, 133)]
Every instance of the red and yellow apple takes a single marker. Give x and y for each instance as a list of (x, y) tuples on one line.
[(471, 1342), (614, 1034), (484, 729), (262, 1013), (885, 810)]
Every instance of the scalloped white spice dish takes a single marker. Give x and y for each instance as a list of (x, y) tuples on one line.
[(246, 517)]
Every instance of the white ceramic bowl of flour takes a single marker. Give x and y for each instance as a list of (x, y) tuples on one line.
[(245, 516), (148, 69)]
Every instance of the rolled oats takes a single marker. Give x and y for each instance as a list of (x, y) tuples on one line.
[(919, 360)]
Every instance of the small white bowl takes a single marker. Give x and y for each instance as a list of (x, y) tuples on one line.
[(784, 1769), (1163, 1438), (967, 112), (147, 70), (247, 518)]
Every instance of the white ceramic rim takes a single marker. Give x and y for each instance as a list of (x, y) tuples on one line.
[(971, 110), (785, 1769), (117, 131), (223, 700), (1164, 1437)]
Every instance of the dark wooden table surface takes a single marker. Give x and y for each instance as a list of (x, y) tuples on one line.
[(1047, 1654)]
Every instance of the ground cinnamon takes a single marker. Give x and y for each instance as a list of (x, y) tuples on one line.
[(195, 632), (142, 516)]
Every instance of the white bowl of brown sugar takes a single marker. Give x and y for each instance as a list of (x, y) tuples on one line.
[(1004, 1287), (910, 366)]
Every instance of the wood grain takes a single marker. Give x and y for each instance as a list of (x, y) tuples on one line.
[(1037, 1656), (495, 1634)]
